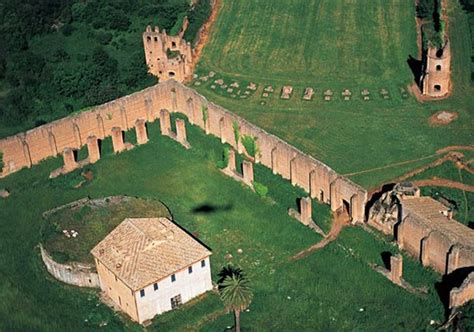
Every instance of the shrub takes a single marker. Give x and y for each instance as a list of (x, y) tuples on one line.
[(225, 158), (260, 189), (104, 38), (205, 114), (67, 29), (250, 145), (235, 125)]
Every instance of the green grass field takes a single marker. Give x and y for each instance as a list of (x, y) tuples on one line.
[(92, 223), (324, 291), (337, 44)]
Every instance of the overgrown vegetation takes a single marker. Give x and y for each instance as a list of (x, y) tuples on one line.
[(433, 25), (92, 224), (57, 57), (236, 129), (260, 189), (250, 145), (468, 6), (197, 17), (224, 162), (205, 114)]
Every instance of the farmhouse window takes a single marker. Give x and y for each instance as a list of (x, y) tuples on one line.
[(142, 292), (155, 286), (203, 263), (190, 269), (173, 277)]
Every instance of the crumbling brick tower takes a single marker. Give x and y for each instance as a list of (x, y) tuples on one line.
[(436, 78), (168, 57)]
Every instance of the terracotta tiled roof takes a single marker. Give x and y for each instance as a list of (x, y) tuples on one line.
[(143, 251)]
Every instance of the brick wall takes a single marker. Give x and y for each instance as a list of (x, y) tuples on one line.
[(319, 180)]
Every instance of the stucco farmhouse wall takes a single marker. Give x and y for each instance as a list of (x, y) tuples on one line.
[(76, 274), (319, 180), (188, 285)]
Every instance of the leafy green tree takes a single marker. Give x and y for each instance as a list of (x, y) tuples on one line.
[(234, 291)]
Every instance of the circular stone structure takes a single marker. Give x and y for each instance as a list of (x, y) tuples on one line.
[(72, 230)]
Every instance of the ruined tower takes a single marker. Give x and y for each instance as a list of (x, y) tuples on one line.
[(168, 57), (436, 78)]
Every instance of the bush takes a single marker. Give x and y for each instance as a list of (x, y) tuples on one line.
[(225, 158), (250, 145), (197, 17), (235, 125), (67, 29), (425, 8), (205, 114), (260, 189), (104, 38)]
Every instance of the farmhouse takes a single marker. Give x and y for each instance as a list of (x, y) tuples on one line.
[(150, 265)]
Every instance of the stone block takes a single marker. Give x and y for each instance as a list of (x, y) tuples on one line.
[(4, 193), (165, 122), (396, 269), (93, 149), (117, 139), (306, 210), (247, 169), (140, 129), (69, 160), (231, 164)]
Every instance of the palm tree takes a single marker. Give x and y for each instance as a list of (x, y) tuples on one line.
[(234, 291)]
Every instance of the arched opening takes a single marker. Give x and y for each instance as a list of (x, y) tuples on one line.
[(438, 67), (171, 73), (156, 39), (173, 44), (321, 196), (148, 38), (437, 87)]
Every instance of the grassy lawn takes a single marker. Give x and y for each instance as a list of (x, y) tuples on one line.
[(332, 289), (337, 45), (92, 223)]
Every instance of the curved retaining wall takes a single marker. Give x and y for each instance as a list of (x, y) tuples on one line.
[(319, 180), (76, 274)]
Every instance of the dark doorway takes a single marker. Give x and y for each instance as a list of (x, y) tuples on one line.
[(346, 206)]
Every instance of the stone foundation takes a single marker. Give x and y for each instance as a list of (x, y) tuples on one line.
[(76, 274)]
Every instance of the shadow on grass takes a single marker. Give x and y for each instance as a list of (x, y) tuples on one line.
[(450, 281), (208, 208), (416, 68)]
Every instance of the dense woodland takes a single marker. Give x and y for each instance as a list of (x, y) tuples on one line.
[(60, 56)]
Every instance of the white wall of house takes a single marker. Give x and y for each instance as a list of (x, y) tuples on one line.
[(189, 285)]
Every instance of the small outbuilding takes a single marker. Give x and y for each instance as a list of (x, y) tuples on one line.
[(150, 265)]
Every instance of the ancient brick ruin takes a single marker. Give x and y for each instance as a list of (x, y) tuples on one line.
[(436, 77), (111, 119), (424, 227), (435, 80), (168, 57)]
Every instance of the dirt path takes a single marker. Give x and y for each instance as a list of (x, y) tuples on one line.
[(205, 32), (455, 148), (443, 183), (341, 219), (438, 152)]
